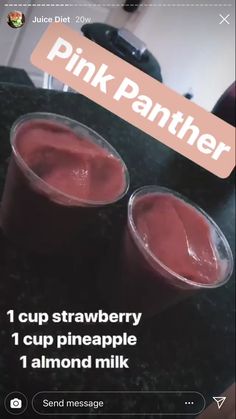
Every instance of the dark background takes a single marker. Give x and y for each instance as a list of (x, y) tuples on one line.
[(187, 347)]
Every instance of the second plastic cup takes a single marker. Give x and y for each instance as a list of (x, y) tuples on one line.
[(147, 283)]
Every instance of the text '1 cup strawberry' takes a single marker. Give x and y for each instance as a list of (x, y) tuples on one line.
[(172, 249), (60, 173)]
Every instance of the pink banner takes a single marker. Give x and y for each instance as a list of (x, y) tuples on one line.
[(137, 98)]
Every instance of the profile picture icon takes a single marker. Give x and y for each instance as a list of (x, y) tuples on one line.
[(15, 19)]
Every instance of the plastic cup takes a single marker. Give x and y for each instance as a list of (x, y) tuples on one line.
[(35, 215), (147, 284)]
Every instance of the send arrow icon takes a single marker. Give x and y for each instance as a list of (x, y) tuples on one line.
[(220, 401)]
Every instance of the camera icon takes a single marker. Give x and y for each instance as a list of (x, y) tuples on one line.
[(15, 403)]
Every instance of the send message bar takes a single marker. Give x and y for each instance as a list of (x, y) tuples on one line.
[(119, 403)]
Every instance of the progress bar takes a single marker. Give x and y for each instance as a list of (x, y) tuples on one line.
[(117, 5)]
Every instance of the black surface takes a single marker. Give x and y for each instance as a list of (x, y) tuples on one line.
[(14, 76), (188, 347)]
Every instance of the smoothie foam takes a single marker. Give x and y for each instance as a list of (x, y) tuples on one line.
[(179, 236), (69, 163)]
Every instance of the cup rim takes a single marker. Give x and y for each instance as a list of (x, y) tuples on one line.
[(157, 190), (66, 122)]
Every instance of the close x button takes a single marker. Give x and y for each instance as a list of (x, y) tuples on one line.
[(122, 403)]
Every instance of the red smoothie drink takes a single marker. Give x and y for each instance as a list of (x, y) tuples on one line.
[(172, 249), (59, 174)]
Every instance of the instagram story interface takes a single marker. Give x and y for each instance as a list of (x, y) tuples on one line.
[(117, 209)]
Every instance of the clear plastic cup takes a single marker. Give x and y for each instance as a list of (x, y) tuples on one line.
[(147, 284), (34, 214)]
